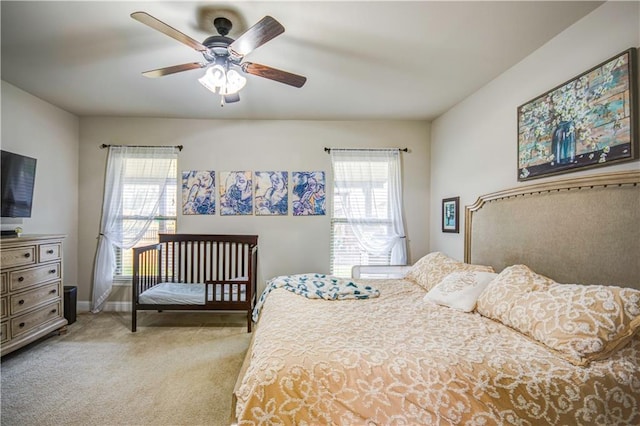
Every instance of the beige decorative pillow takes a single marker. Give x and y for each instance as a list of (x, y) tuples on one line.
[(460, 290), (581, 322), (503, 293), (432, 268)]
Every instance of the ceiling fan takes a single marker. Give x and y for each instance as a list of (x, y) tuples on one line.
[(223, 55)]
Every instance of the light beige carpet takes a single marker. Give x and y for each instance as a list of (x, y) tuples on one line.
[(177, 369)]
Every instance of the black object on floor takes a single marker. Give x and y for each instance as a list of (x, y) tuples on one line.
[(70, 301)]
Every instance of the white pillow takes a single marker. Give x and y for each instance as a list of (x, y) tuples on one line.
[(460, 290)]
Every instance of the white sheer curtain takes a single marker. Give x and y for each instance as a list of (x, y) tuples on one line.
[(369, 186), (126, 164)]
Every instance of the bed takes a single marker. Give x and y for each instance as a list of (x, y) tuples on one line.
[(417, 354), (186, 272)]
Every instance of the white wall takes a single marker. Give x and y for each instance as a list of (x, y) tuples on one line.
[(286, 244), (474, 145), (40, 130)]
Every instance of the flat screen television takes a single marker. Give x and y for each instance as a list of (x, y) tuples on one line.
[(18, 178)]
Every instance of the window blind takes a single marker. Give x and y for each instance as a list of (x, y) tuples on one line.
[(140, 178)]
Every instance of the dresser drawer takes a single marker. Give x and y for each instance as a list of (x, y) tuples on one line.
[(18, 256), (4, 307), (4, 286), (22, 302), (32, 276), (27, 322), (4, 332), (48, 252)]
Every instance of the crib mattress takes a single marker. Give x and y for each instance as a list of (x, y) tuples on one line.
[(191, 294)]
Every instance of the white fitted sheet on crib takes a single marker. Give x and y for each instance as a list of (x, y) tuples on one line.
[(191, 294)]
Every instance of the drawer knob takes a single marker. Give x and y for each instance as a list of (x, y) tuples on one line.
[(53, 291), (49, 251), (52, 271), (20, 279), (27, 255), (21, 302), (53, 311), (21, 325)]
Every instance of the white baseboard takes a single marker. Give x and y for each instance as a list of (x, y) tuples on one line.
[(85, 306)]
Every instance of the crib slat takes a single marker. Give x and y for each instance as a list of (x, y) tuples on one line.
[(212, 261), (225, 261), (191, 264), (179, 272), (217, 276), (202, 262)]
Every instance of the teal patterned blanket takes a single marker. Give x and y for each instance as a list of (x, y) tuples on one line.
[(316, 286)]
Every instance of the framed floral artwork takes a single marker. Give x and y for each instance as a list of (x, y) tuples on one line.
[(589, 121), (450, 215)]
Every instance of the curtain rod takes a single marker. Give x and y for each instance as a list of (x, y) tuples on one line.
[(328, 150), (104, 145)]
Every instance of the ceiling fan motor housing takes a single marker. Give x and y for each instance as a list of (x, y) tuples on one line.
[(217, 46)]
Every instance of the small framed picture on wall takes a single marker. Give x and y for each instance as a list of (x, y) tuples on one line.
[(450, 215)]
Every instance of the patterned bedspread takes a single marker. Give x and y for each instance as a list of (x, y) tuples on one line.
[(396, 359)]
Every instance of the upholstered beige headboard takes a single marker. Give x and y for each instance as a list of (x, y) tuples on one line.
[(584, 230)]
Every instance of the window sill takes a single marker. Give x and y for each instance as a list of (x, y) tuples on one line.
[(380, 271), (122, 282)]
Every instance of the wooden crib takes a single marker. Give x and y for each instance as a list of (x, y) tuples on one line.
[(195, 272)]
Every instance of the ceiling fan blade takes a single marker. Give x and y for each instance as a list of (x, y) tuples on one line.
[(263, 31), (228, 99), (173, 69), (156, 24), (274, 74)]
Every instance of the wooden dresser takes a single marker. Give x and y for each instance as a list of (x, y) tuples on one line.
[(31, 302)]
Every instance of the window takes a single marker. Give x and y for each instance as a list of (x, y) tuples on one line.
[(366, 224), (137, 181)]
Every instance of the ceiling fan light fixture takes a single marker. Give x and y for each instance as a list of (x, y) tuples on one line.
[(213, 78), (235, 82), (218, 80)]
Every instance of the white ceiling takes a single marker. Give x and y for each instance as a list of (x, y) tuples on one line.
[(363, 59)]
